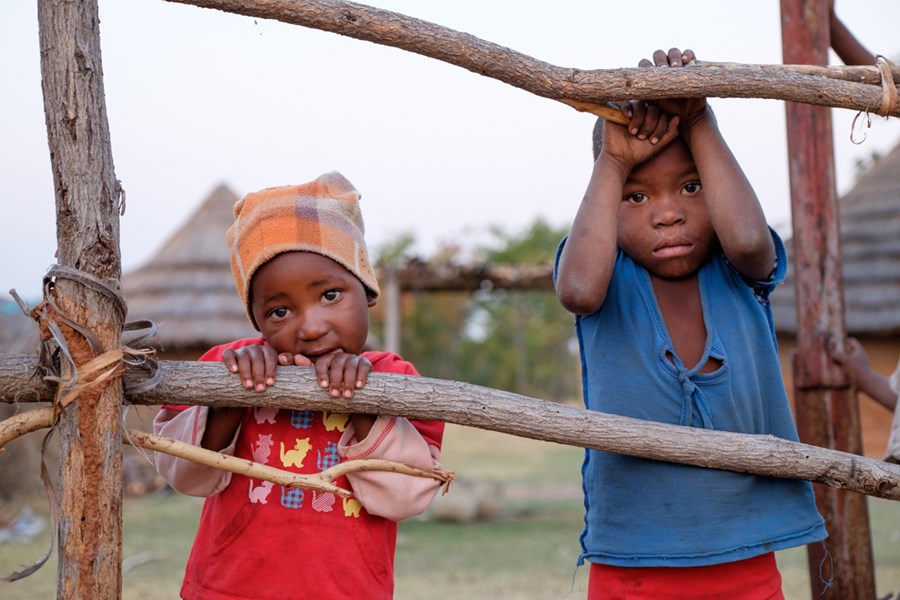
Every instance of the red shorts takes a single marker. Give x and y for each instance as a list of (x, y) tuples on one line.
[(756, 578)]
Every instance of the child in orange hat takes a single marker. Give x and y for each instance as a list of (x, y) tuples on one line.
[(300, 264)]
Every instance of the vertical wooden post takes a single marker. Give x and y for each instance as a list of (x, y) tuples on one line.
[(87, 213), (827, 410)]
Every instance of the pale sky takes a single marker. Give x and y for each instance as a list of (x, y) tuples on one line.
[(197, 97)]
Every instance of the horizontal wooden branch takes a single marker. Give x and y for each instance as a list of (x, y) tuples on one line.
[(210, 384), (855, 88)]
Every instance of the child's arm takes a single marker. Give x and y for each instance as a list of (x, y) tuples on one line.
[(733, 207), (589, 255), (859, 371)]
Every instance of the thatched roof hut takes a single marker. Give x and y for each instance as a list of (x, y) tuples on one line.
[(187, 288), (870, 238)]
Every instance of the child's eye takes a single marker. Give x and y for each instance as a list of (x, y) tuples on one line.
[(692, 187), (636, 198), (331, 296), (277, 314)]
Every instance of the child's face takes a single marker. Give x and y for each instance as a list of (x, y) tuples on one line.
[(305, 303), (663, 222)]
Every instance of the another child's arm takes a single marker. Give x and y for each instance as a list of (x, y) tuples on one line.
[(733, 207), (588, 257), (862, 376)]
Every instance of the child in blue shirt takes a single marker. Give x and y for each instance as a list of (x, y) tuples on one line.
[(668, 267)]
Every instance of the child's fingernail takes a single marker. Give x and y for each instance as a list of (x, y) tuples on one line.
[(335, 393), (633, 130), (348, 393), (654, 140), (323, 382), (234, 369), (360, 383), (270, 381), (248, 383), (261, 387)]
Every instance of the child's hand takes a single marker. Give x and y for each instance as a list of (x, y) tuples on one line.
[(853, 359), (255, 365), (649, 130), (342, 372), (689, 110)]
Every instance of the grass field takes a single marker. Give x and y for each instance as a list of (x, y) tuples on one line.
[(527, 553)]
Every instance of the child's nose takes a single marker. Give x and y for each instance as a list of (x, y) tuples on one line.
[(312, 325), (668, 211)]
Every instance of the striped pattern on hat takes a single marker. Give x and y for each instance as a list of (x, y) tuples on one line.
[(321, 216)]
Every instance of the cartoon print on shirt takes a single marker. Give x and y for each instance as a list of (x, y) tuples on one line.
[(260, 494), (334, 421), (264, 414), (329, 458), (323, 502), (351, 507), (302, 419), (297, 454), (291, 497), (262, 448)]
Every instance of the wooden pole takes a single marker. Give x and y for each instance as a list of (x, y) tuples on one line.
[(87, 217), (827, 411)]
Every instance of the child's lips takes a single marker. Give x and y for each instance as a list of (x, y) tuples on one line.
[(672, 249)]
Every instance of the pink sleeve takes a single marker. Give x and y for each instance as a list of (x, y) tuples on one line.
[(394, 496), (183, 475)]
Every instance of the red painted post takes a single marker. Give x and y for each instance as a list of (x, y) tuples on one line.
[(826, 408)]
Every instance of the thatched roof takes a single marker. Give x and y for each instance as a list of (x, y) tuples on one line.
[(187, 288), (870, 238)]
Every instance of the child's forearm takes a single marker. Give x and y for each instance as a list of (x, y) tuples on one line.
[(878, 387), (734, 209), (587, 260)]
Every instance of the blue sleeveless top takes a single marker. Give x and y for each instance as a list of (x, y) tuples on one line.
[(641, 512)]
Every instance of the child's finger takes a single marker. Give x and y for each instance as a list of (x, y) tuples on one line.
[(637, 110), (651, 122), (674, 58), (301, 361), (660, 58), (229, 359), (688, 56)]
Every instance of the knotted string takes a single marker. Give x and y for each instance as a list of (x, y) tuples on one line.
[(888, 98)]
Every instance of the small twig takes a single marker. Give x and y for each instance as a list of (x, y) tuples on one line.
[(23, 423)]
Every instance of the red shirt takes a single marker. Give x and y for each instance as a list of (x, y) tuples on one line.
[(258, 540)]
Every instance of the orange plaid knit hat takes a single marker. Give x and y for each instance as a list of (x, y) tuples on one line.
[(321, 216)]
